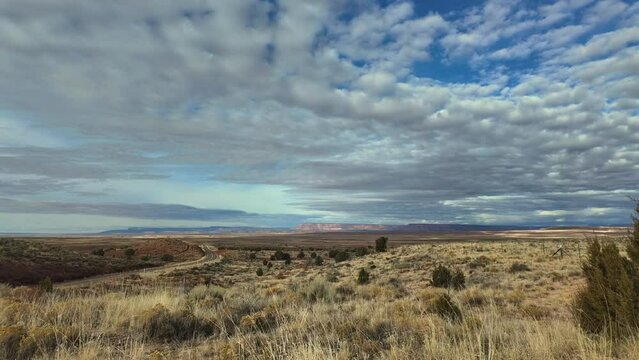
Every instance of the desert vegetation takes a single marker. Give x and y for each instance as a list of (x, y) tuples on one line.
[(381, 305), (609, 303), (25, 262), (443, 300)]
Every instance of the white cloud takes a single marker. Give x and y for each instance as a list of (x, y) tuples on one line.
[(599, 45), (295, 108)]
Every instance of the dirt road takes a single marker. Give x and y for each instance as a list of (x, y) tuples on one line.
[(209, 256)]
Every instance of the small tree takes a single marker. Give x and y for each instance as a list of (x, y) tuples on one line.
[(362, 277), (381, 244), (442, 277), (319, 260), (608, 303), (46, 284), (633, 252), (129, 253), (633, 238)]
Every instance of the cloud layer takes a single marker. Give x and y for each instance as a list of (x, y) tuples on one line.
[(502, 112)]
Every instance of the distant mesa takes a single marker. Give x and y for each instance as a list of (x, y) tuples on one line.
[(407, 227), (340, 227)]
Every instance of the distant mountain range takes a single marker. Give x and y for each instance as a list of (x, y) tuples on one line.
[(408, 227), (193, 230), (318, 227)]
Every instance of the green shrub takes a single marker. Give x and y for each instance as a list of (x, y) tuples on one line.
[(269, 265), (610, 300), (342, 256), (252, 256), (5, 289), (362, 277), (381, 244), (301, 255), (633, 253), (361, 251), (145, 258), (167, 257), (259, 272), (264, 262), (444, 306), (287, 262), (129, 252), (98, 252), (319, 260), (160, 324), (442, 277), (46, 284), (458, 280), (633, 238), (313, 255), (280, 255), (518, 267), (332, 253)]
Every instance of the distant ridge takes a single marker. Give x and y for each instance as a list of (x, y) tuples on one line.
[(193, 230), (333, 227), (408, 227)]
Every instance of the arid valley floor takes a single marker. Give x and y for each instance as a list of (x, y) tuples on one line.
[(209, 301)]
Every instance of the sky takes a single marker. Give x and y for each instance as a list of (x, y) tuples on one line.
[(275, 113)]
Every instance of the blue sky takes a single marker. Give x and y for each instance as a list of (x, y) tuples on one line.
[(274, 113)]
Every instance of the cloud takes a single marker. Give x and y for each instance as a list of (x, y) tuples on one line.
[(388, 38), (600, 45), (144, 211), (347, 108)]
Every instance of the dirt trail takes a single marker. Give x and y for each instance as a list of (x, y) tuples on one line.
[(209, 256)]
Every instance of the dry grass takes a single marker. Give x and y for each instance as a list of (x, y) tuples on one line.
[(225, 311)]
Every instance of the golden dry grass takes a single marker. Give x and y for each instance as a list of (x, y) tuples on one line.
[(304, 311)]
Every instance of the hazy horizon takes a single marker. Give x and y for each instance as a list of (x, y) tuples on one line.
[(275, 113)]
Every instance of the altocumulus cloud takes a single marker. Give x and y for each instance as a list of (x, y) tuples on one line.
[(143, 211), (276, 112)]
